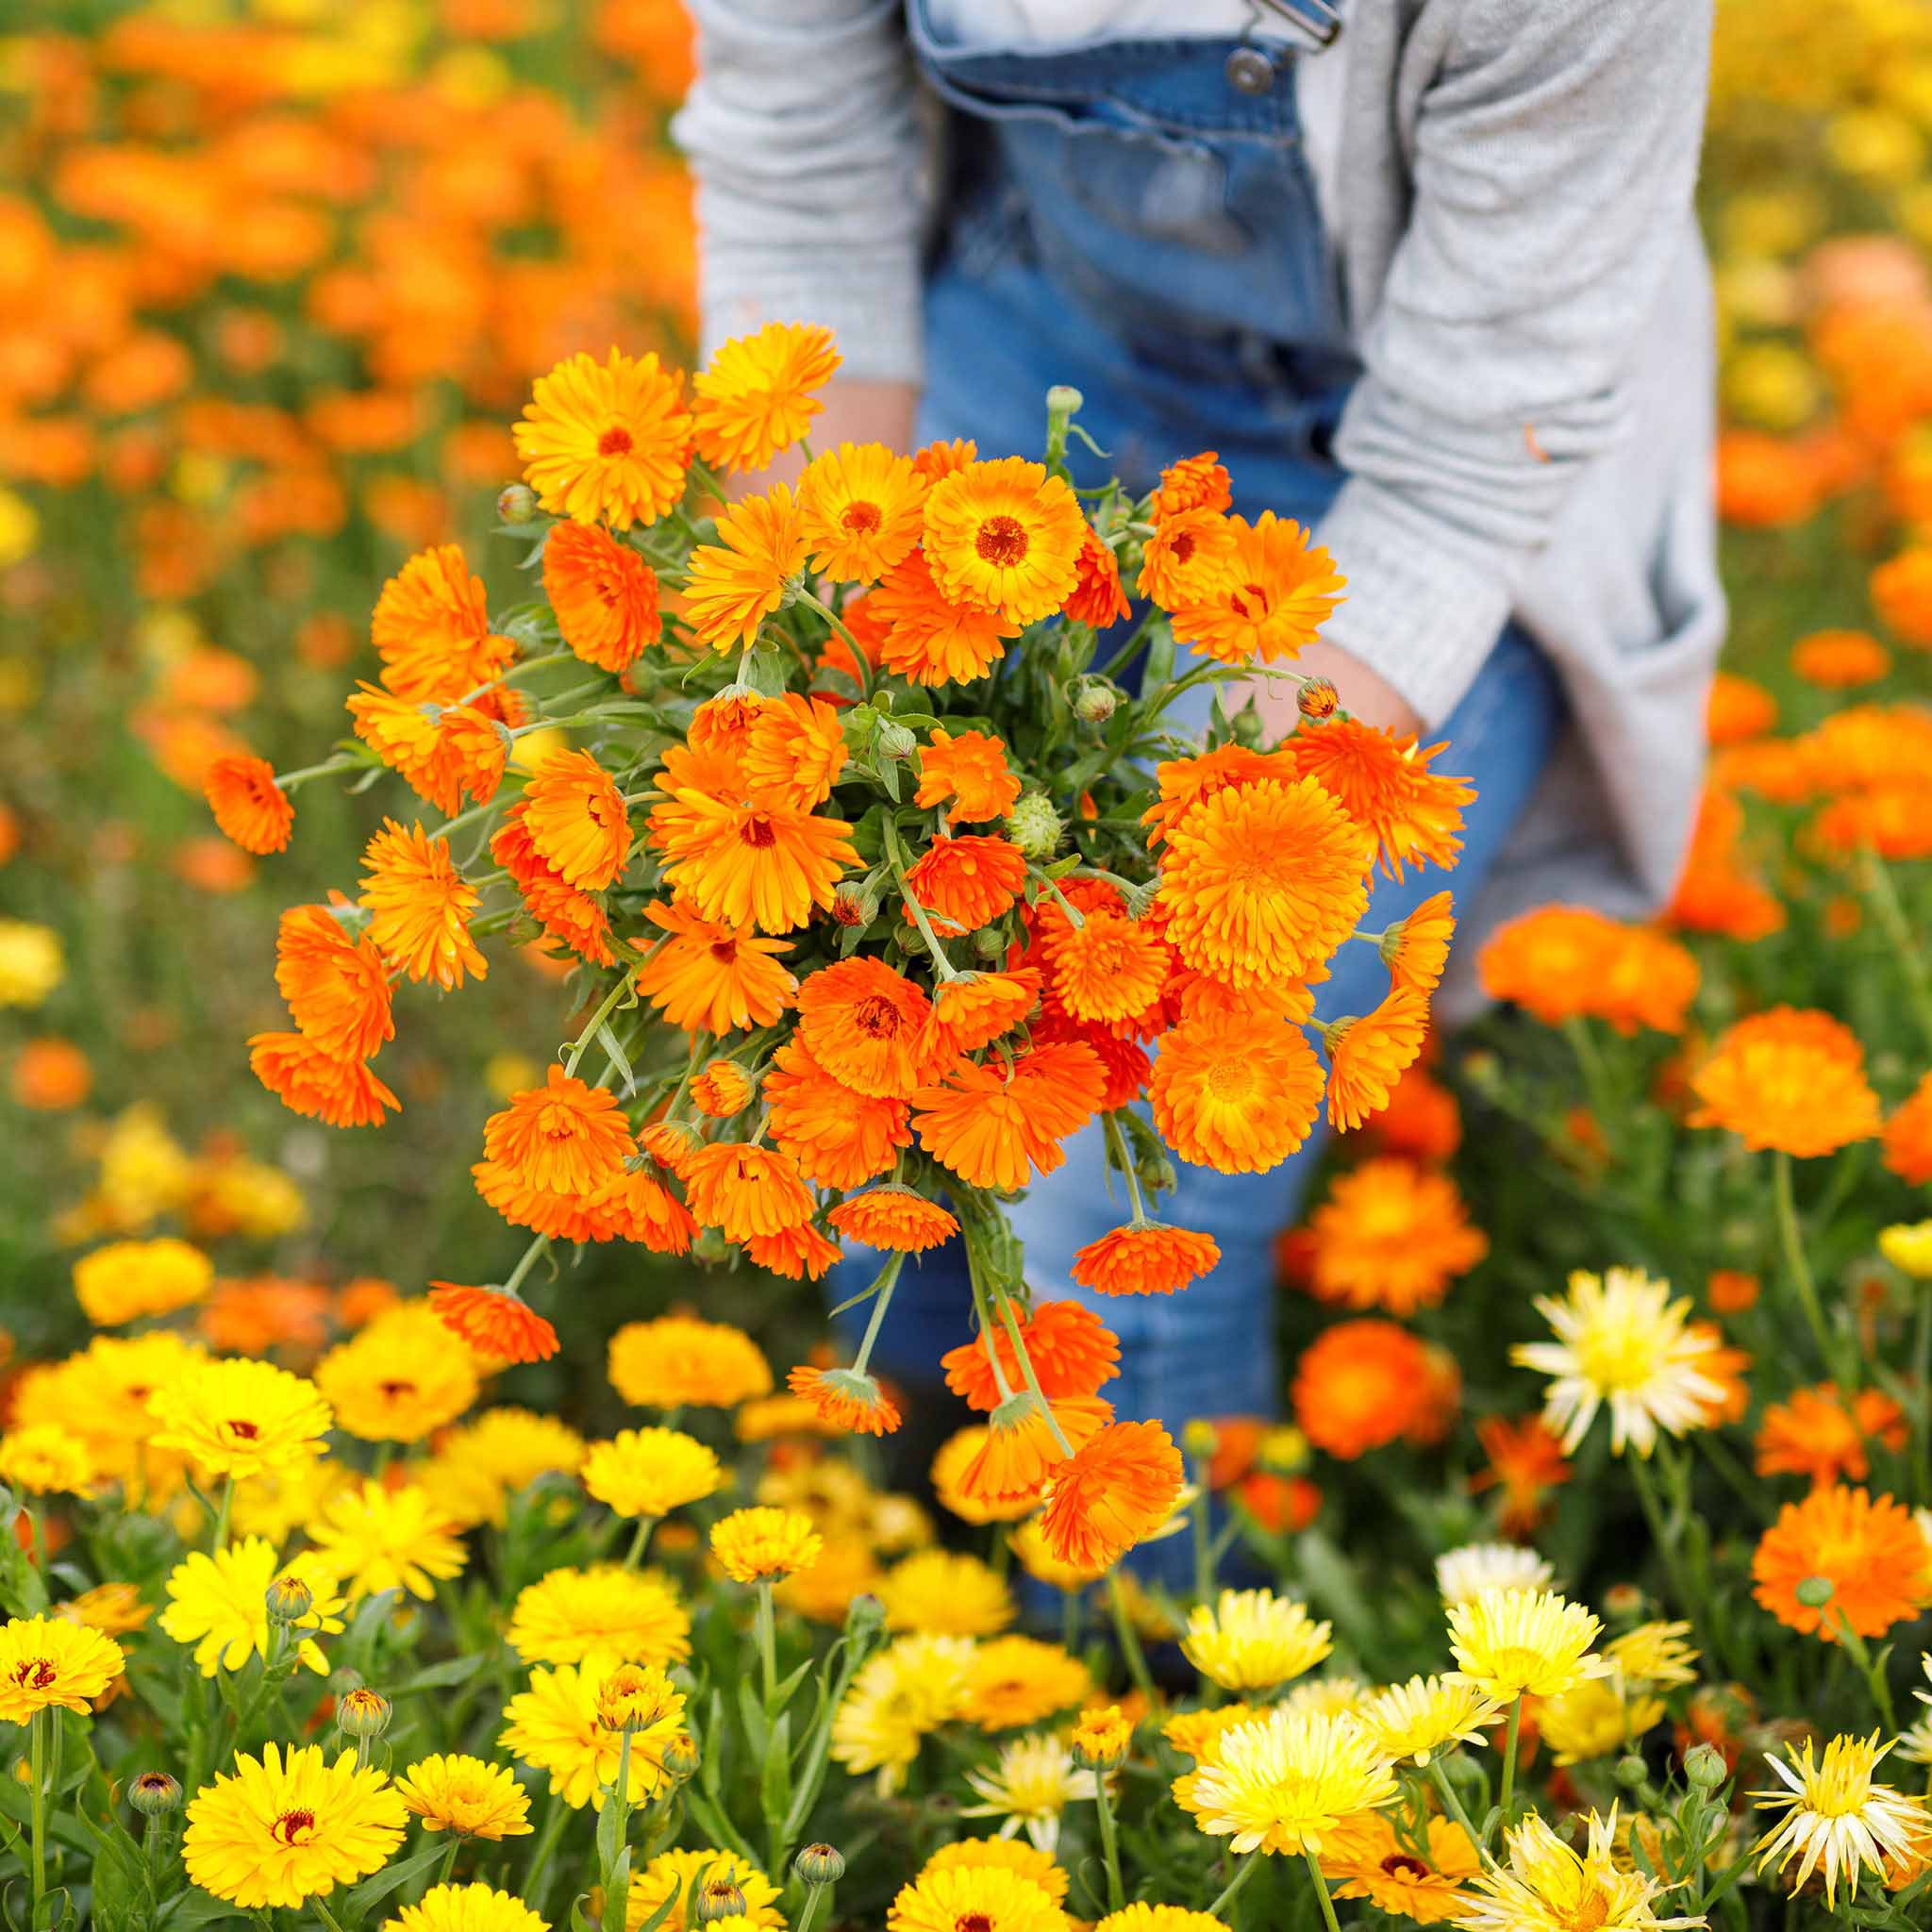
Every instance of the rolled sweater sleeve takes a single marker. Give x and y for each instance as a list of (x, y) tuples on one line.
[(802, 134), (1554, 163)]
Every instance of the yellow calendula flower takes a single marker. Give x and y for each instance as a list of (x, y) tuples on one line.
[(219, 1604), (1143, 1917), (1654, 1654), (554, 1726), (1907, 1245), (1623, 1342), (678, 1361), (760, 1544), (515, 1446), (1031, 1785), (1428, 1715), (45, 1460), (606, 442), (290, 1825), (376, 1539), (31, 962), (651, 1472), (466, 1797), (238, 1418), (1251, 1638), (1837, 1815), (605, 1610), (973, 1895), (1542, 1882), (1462, 1574), (49, 1661), (670, 1875), (466, 1908), (1007, 1855), (1509, 1641), (127, 1279), (1592, 1720), (1329, 1694), (909, 1689), (112, 1608), (946, 1594), (1020, 1681), (1197, 1733), (1101, 1737), (1284, 1783), (955, 1456), (399, 1378)]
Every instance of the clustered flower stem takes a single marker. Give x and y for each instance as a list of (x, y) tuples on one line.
[(1792, 1242)]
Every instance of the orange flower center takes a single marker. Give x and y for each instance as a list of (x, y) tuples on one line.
[(395, 1391), (247, 1431), (724, 952), (615, 441), (756, 831), (861, 519), (876, 1017), (1250, 601), (973, 1922), (1588, 1913), (1400, 1865), (1230, 1080), (293, 1828), (1002, 542), (35, 1674), (1184, 546)]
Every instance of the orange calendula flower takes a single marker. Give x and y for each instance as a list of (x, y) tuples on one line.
[(462, 750), (250, 807), (1895, 820), (1840, 659), (1416, 949), (967, 882), (1367, 1056), (973, 1009), (1787, 1079), (893, 1217), (863, 509), (705, 976), (847, 1398), (337, 988), (927, 637), (990, 1125), (603, 594), (1144, 1257), (1818, 1434), (1738, 710), (1005, 536), (1234, 1095), (1872, 1554), (867, 1026), (739, 581), (502, 1326), (1908, 1136), (636, 1206), (1193, 483), (1363, 1384), (576, 817), (562, 1138), (1568, 961), (1111, 1493), (1383, 782), (971, 770), (1071, 1350), (794, 751), (743, 1191), (840, 1138), (1097, 598), (1525, 1462), (1263, 881), (799, 1253), (556, 906), (759, 396), (418, 907), (1108, 967), (1188, 559), (755, 863), (431, 630), (1391, 1235), (1272, 597), (306, 1080), (606, 442), (1023, 1445), (721, 1088)]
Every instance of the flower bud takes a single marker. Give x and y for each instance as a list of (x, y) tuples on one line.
[(1814, 1592), (894, 741), (1102, 1738), (1094, 701), (853, 906), (1704, 1766), (718, 1897), (362, 1712), (1157, 1173), (1063, 399), (153, 1793), (632, 1695), (516, 503), (865, 1616), (1200, 1438), (721, 1088), (710, 1247), (288, 1600), (1631, 1770), (1623, 1603), (1035, 826), (820, 1864), (679, 1758), (1317, 699), (990, 943)]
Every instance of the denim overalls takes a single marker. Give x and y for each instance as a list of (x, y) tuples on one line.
[(1139, 219)]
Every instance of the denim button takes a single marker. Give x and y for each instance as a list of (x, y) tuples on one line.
[(1250, 71)]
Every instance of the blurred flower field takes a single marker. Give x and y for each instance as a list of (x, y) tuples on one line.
[(1593, 1554)]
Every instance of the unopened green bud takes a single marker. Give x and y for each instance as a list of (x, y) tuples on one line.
[(680, 1757), (989, 942), (820, 1864), (865, 1615), (288, 1600), (719, 1896), (854, 906), (153, 1793), (1063, 399), (894, 741), (1094, 701), (362, 1712), (710, 1247), (1704, 1766), (1814, 1592), (1631, 1770), (1035, 826), (516, 503), (1157, 1171)]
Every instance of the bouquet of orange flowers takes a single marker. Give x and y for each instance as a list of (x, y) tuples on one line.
[(880, 878)]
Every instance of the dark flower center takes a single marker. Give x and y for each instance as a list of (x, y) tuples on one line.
[(35, 1674), (1402, 1866), (860, 519), (247, 1431), (395, 1391), (724, 952), (973, 1922), (293, 1828), (615, 441), (1002, 540), (878, 1017), (756, 831)]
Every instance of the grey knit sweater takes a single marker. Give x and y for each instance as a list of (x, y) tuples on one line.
[(1532, 433)]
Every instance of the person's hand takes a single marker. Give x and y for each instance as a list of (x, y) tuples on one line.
[(856, 411)]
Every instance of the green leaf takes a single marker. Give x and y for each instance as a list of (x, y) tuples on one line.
[(456, 1670), (751, 1714), (373, 1891)]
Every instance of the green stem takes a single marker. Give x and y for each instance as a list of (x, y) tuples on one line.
[(1204, 1547), (814, 1903), (1922, 1396), (1321, 1892), (537, 1884), (1026, 1369), (1234, 1884), (1452, 1805), (583, 1040), (935, 952), (221, 1534), (768, 1642), (1130, 1641), (881, 1300), (1792, 1242), (1506, 1789), (525, 1263), (287, 781), (1860, 1655), (1110, 1843), (1121, 1155), (616, 1897), (36, 1732), (328, 1917), (1883, 893), (859, 656), (640, 1537), (1666, 1542), (449, 1859)]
